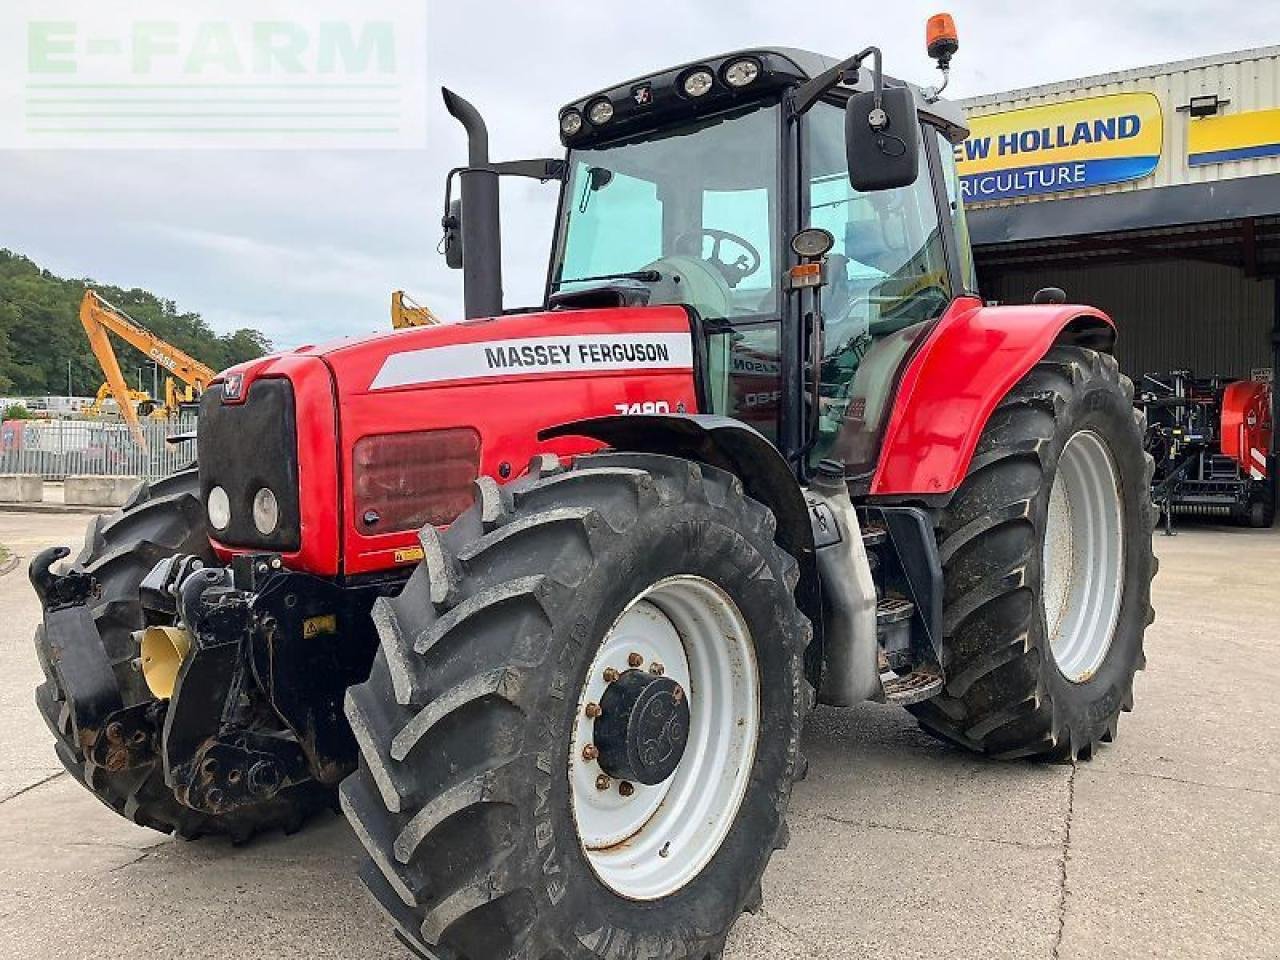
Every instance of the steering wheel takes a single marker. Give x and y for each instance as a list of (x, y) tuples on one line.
[(734, 273)]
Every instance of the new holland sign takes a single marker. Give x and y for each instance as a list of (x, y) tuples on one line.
[(1070, 145), (1237, 136)]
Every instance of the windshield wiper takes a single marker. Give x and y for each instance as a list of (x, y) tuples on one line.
[(645, 276)]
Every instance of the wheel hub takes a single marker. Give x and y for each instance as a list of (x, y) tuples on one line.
[(643, 729)]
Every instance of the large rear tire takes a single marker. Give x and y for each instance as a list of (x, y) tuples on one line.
[(159, 521), (1047, 564), (477, 798)]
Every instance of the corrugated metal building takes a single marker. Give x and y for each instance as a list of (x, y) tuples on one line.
[(1153, 193)]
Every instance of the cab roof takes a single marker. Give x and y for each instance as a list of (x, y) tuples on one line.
[(781, 67)]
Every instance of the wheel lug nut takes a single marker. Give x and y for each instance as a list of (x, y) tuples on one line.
[(603, 782), (626, 789), (635, 660), (610, 675), (590, 752), (657, 669), (593, 710)]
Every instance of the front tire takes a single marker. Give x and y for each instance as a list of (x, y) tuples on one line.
[(473, 796), (1047, 566)]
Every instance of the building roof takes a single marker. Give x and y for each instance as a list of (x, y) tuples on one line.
[(1119, 76)]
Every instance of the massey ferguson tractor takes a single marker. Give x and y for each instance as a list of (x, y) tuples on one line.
[(545, 596)]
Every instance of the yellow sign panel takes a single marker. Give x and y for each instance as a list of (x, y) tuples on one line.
[(1238, 136), (315, 626), (1061, 146), (409, 555)]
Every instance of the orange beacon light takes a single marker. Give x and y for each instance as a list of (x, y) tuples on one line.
[(942, 39)]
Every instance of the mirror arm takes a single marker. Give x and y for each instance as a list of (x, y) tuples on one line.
[(810, 93), (541, 170)]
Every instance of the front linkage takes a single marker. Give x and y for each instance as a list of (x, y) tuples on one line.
[(247, 665)]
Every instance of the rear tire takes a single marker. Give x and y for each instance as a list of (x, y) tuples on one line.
[(1032, 667), (466, 791), (159, 520)]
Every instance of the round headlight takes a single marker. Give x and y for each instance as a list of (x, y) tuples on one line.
[(699, 82), (570, 123), (219, 509), (600, 112), (266, 511), (742, 73)]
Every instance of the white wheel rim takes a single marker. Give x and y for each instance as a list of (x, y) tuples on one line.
[(653, 843), (1083, 558)]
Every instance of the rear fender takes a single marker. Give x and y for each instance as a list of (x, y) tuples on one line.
[(962, 371), (733, 446)]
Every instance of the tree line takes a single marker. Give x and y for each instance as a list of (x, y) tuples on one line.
[(40, 332)]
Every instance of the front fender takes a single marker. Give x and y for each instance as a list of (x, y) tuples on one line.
[(971, 360), (718, 442)]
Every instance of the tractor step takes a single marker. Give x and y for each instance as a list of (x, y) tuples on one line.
[(893, 610), (924, 683), (873, 535), (893, 618)]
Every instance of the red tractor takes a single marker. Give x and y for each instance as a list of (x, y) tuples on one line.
[(545, 596)]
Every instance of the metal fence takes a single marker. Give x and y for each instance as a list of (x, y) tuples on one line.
[(57, 449)]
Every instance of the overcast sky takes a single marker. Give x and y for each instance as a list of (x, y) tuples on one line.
[(308, 246)]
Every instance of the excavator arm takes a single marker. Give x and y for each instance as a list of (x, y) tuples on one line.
[(100, 319), (406, 313)]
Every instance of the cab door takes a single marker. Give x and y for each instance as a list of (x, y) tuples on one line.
[(890, 276)]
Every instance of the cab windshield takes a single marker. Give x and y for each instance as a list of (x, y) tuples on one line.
[(690, 212)]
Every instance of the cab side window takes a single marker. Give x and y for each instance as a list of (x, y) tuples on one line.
[(968, 273)]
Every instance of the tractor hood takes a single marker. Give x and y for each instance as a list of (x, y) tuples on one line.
[(531, 345), (397, 426)]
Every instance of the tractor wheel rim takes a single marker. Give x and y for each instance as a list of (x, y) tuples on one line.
[(647, 842), (1083, 557)]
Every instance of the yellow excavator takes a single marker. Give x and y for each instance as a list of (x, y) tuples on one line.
[(406, 313), (100, 319), (142, 402)]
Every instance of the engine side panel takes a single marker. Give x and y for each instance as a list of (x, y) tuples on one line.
[(507, 379), (972, 358)]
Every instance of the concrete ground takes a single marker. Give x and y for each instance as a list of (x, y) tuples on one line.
[(1166, 845)]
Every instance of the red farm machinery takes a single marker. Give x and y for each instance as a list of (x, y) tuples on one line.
[(1211, 440), (545, 596)]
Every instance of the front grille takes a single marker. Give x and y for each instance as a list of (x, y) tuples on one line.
[(245, 447)]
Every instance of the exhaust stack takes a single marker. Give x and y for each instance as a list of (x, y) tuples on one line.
[(481, 223)]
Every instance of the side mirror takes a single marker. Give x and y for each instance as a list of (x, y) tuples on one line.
[(452, 241), (882, 143)]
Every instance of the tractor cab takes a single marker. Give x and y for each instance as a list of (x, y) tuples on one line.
[(806, 214)]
